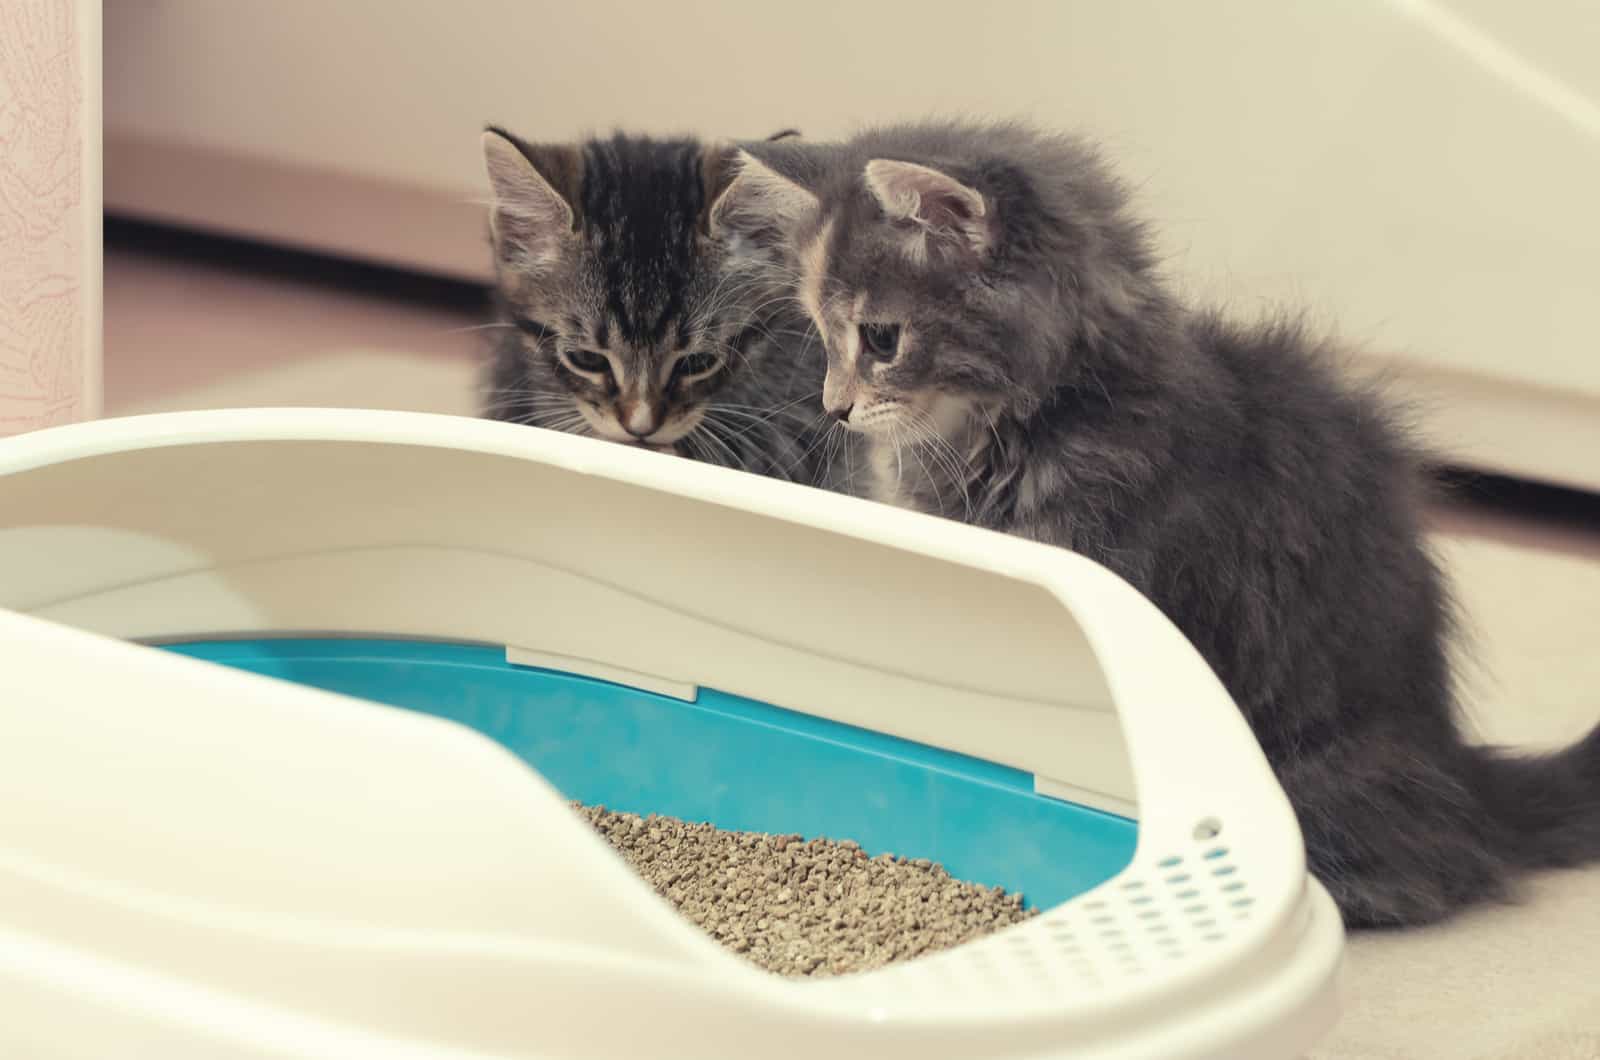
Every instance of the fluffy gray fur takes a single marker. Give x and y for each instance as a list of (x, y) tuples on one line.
[(1043, 381), (628, 310)]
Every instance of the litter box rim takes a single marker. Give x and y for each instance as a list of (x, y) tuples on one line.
[(1206, 749)]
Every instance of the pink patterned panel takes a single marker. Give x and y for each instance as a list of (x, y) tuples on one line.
[(45, 321)]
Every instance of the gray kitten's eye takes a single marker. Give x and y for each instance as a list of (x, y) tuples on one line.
[(695, 364), (589, 361), (881, 341)]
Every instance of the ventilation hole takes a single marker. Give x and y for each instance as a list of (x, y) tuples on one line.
[(1159, 928), (1182, 877), (1133, 885), (1236, 885), (1184, 896), (1224, 870), (1151, 914), (1118, 945), (1208, 828), (1169, 863), (1174, 955), (1243, 903), (1196, 909), (1111, 933), (1141, 899), (1215, 936), (1095, 904), (1104, 920), (1216, 852), (1206, 923)]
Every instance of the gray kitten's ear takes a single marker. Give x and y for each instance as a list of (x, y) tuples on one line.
[(718, 166), (941, 205), (531, 219), (760, 200)]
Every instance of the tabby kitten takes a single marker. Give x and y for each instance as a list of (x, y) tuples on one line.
[(626, 313), (998, 336)]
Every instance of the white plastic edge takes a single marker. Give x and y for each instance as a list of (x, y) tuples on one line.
[(1205, 747)]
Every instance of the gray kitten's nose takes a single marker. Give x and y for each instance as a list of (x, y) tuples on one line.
[(842, 415)]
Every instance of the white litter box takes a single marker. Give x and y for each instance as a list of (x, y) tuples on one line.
[(363, 848)]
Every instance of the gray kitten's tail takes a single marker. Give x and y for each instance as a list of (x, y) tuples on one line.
[(1549, 804)]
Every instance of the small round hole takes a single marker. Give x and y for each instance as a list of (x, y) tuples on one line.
[(1208, 828)]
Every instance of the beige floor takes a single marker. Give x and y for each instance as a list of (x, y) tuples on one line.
[(1498, 983)]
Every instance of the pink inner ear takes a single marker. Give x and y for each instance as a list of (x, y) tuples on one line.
[(908, 191), (943, 208)]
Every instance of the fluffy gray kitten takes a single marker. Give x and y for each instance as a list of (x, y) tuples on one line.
[(626, 312), (999, 338)]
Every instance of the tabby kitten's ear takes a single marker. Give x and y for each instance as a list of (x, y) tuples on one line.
[(760, 202), (940, 206), (534, 185)]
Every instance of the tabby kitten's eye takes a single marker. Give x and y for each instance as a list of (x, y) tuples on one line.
[(695, 365), (588, 361), (881, 341)]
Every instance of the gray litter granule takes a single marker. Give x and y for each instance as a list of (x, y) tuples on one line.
[(804, 907)]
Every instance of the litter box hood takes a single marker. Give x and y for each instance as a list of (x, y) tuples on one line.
[(624, 565)]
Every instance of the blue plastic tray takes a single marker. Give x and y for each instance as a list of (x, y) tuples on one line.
[(735, 762)]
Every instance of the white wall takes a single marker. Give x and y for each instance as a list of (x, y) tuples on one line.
[(1421, 173)]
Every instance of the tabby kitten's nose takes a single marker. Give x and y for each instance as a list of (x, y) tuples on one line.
[(639, 419), (842, 414)]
